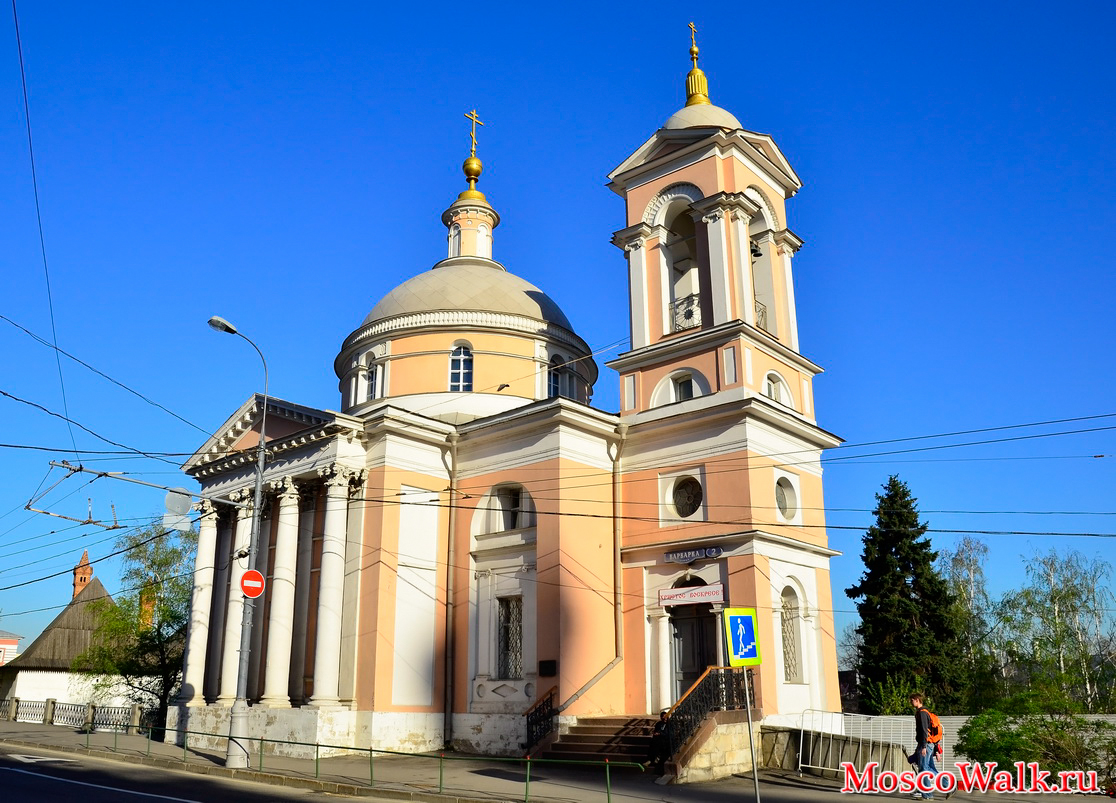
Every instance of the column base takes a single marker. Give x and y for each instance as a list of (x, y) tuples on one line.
[(275, 702), (323, 702)]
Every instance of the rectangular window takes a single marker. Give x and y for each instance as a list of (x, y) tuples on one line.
[(373, 391), (510, 501), (509, 657)]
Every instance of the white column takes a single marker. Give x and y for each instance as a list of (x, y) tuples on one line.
[(745, 288), (193, 661), (786, 251), (230, 657), (331, 588), (280, 627), (720, 282), (637, 283), (661, 636), (259, 605), (307, 515)]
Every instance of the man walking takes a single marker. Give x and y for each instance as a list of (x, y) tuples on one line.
[(925, 749)]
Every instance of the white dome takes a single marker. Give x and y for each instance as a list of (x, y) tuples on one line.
[(703, 115), (469, 283)]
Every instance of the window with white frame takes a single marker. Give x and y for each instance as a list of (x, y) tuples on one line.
[(372, 380), (509, 638), (554, 377), (776, 389), (683, 387), (461, 369), (789, 619)]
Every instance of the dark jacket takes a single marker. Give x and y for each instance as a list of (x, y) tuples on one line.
[(922, 726)]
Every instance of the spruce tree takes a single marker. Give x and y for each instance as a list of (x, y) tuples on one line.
[(907, 641)]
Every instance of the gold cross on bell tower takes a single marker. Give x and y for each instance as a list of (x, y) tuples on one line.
[(473, 134)]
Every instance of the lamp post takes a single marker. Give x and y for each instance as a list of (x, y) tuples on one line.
[(236, 756)]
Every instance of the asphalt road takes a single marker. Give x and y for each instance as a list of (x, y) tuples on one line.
[(30, 776)]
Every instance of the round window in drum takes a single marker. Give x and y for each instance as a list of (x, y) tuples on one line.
[(687, 497), (785, 498)]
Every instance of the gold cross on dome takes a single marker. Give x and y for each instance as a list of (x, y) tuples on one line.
[(693, 35), (473, 134)]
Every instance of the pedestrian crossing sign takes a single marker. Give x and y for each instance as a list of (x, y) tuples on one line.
[(740, 628)]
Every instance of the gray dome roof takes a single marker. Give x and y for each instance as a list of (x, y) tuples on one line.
[(702, 116), (469, 283)]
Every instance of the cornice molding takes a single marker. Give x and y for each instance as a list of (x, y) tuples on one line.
[(460, 319)]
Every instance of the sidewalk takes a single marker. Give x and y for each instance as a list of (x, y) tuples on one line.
[(456, 779)]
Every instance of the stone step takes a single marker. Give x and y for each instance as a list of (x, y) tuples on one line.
[(598, 730)]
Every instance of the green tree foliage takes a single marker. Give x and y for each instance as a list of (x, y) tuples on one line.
[(974, 619), (1057, 742), (140, 638), (906, 610), (1056, 635)]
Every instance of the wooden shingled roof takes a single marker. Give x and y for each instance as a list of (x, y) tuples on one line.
[(67, 637)]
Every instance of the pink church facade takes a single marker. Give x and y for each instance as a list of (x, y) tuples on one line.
[(466, 534)]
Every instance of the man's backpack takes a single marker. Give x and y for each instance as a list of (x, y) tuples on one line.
[(933, 727)]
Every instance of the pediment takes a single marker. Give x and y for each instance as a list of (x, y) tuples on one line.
[(667, 144), (241, 431)]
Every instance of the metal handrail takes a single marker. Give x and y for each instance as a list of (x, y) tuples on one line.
[(541, 717), (719, 688)]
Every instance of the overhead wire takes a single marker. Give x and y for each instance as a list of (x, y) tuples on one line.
[(39, 218)]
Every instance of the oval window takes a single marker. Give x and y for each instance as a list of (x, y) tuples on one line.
[(687, 496)]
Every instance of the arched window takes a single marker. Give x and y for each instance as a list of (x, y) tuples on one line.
[(455, 240), (789, 619), (554, 377), (461, 369), (372, 378), (776, 389), (683, 387), (509, 508), (484, 242)]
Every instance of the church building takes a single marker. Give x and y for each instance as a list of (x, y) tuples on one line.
[(466, 534)]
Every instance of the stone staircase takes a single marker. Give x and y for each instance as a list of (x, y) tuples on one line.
[(598, 738)]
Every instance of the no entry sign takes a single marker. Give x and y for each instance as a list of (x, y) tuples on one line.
[(252, 584)]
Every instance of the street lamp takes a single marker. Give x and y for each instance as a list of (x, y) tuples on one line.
[(236, 756)]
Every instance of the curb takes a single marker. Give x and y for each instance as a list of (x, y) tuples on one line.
[(272, 779)]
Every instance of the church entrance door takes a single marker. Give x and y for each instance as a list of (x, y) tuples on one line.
[(695, 644)]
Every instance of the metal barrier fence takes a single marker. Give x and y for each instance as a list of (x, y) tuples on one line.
[(121, 718), (72, 714), (827, 739), (30, 711), (258, 756)]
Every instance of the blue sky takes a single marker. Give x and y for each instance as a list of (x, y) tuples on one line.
[(286, 165)]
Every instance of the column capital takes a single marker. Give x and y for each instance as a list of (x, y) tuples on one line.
[(336, 476), (207, 508), (284, 489), (721, 203), (632, 238), (245, 497), (788, 242)]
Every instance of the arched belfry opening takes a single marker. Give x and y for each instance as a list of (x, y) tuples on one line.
[(683, 279), (694, 628), (761, 248)]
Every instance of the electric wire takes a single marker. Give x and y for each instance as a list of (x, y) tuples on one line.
[(39, 219)]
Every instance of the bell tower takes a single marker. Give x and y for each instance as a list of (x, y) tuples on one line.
[(709, 261)]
